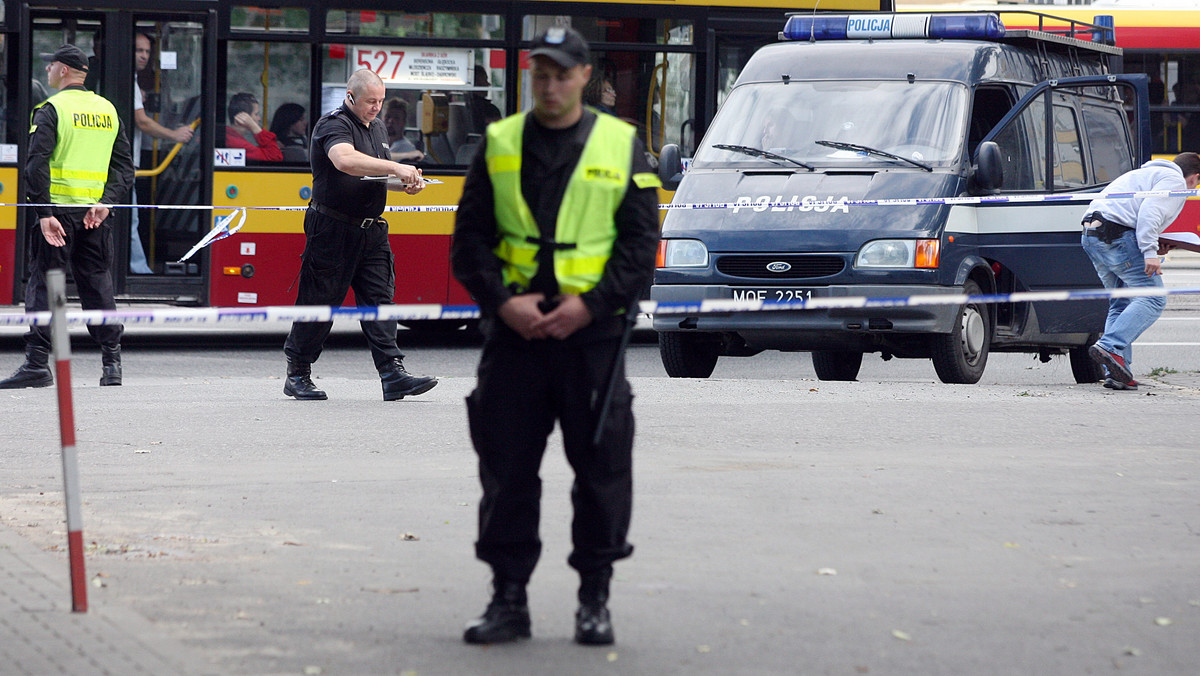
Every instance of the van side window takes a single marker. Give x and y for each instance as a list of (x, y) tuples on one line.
[(1109, 159), (1069, 171), (990, 106), (1016, 141)]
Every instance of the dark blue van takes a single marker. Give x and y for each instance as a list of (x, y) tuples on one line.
[(884, 106)]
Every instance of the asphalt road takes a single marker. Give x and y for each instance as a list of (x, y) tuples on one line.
[(896, 525)]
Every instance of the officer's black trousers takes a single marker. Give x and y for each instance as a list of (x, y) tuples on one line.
[(89, 256), (523, 388), (339, 257)]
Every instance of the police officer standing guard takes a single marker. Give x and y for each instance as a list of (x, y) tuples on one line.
[(79, 161), (346, 240), (555, 239)]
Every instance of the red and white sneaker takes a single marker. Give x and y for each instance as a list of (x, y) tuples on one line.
[(1114, 362)]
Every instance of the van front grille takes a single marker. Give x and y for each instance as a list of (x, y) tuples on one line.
[(798, 267)]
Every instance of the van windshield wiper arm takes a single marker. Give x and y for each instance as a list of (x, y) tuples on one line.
[(873, 151), (765, 154)]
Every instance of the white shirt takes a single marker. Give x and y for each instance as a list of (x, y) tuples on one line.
[(1148, 215), (137, 133)]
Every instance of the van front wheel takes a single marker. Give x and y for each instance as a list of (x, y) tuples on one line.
[(961, 355), (836, 364), (688, 355)]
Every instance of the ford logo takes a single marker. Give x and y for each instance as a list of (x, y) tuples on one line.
[(779, 266)]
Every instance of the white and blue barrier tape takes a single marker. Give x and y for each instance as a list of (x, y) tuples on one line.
[(742, 203), (320, 313)]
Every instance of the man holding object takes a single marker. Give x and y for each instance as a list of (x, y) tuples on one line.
[(1121, 238), (346, 239)]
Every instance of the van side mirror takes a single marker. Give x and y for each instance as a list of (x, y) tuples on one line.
[(987, 171), (670, 166)]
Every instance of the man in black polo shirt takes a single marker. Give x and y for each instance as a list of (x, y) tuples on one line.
[(346, 241)]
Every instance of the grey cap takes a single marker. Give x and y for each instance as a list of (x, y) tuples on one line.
[(564, 45)]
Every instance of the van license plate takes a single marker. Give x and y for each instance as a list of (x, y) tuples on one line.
[(776, 295)]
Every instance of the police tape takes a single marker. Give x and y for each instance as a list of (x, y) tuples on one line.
[(758, 204), (320, 313)]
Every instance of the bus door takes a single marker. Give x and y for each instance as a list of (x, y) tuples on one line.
[(730, 42), (168, 78)]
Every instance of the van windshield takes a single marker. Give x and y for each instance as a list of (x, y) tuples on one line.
[(923, 122)]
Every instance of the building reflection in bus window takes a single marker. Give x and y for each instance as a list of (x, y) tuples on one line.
[(276, 74)]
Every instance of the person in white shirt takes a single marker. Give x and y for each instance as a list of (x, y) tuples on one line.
[(144, 124), (1120, 236)]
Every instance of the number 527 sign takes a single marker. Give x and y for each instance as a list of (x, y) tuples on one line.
[(417, 65)]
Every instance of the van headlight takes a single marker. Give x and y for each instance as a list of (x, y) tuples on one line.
[(899, 253), (682, 253)]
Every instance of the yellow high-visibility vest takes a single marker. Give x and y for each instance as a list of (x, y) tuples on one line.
[(87, 129), (586, 227)]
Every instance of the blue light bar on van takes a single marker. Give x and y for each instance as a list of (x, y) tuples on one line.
[(974, 25)]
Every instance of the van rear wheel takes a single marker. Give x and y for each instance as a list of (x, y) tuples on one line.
[(836, 364), (688, 355), (1083, 367), (961, 355)]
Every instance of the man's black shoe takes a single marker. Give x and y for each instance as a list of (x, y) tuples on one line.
[(111, 358), (299, 383), (398, 383), (506, 618), (593, 625), (35, 372), (1117, 385)]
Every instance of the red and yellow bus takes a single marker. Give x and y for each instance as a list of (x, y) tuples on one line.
[(448, 68), (1161, 40)]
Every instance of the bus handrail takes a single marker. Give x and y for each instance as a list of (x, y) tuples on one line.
[(162, 166)]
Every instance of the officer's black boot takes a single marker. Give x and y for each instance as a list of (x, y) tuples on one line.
[(506, 618), (35, 372), (399, 383), (110, 357), (299, 382), (593, 624)]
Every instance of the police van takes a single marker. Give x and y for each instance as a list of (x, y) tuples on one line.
[(888, 106)]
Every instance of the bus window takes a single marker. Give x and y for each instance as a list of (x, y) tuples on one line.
[(415, 24), (446, 96), (268, 19), (1069, 171), (650, 88), (264, 108)]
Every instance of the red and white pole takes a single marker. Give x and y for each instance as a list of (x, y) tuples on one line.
[(56, 287)]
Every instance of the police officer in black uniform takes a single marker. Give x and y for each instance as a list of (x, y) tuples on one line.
[(555, 238), (79, 161), (346, 240)]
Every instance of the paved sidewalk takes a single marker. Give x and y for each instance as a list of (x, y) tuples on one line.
[(40, 636)]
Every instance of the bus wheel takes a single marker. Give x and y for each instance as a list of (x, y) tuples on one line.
[(1083, 367), (688, 355), (836, 364), (961, 355)]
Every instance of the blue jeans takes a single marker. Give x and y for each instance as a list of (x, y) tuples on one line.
[(1121, 264)]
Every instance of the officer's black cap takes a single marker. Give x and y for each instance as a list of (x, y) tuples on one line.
[(68, 55), (563, 45)]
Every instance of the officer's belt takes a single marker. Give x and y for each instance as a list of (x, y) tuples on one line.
[(1100, 227), (551, 244), (336, 215)]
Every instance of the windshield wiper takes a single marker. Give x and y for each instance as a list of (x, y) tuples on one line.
[(873, 151), (765, 154)]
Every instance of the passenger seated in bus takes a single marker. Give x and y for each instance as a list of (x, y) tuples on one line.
[(395, 118), (483, 112), (778, 130), (600, 94), (245, 130), (290, 126)]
